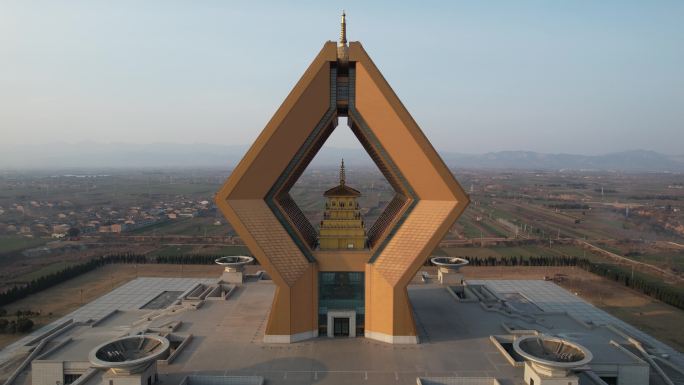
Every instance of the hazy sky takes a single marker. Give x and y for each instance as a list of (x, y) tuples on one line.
[(552, 76)]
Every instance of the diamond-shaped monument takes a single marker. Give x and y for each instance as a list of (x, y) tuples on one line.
[(347, 291)]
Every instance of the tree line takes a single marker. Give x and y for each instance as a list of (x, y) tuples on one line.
[(186, 259), (634, 280), (46, 281), (637, 281), (523, 261), (22, 324)]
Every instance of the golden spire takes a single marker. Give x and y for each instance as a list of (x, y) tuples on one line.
[(342, 174), (343, 30), (342, 47)]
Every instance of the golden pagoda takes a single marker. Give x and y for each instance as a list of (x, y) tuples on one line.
[(342, 225)]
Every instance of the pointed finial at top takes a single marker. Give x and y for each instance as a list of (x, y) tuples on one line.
[(342, 47), (342, 174), (343, 30)]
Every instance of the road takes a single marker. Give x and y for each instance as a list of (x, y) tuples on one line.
[(632, 262)]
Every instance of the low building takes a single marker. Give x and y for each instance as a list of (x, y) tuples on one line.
[(468, 335), (60, 229)]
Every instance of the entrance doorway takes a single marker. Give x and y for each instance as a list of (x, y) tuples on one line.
[(341, 323), (341, 327)]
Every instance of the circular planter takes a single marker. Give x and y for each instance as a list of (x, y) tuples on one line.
[(552, 354), (130, 353), (234, 263), (450, 263)]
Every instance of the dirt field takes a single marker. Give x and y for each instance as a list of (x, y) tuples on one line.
[(660, 320)]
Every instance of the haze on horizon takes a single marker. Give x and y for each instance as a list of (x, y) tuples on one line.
[(580, 77)]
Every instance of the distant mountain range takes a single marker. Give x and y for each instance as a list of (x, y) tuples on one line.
[(119, 155), (635, 160)]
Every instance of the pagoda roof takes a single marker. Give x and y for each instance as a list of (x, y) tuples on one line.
[(342, 190)]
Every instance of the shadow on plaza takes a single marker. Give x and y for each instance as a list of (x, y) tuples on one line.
[(286, 370)]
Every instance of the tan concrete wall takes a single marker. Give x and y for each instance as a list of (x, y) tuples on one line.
[(47, 372), (344, 260)]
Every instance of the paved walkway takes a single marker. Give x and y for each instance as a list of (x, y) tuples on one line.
[(553, 298), (132, 295)]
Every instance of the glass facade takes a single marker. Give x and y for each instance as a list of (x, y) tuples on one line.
[(341, 290)]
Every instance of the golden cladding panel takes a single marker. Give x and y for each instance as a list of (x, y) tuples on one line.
[(275, 243), (412, 238)]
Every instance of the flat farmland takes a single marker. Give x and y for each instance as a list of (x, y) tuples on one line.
[(662, 254), (179, 250), (189, 227), (10, 244), (513, 251)]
